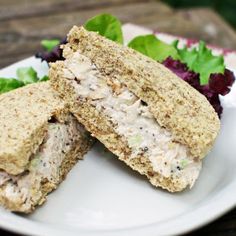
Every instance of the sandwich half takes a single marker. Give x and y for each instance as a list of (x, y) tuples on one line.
[(40, 141), (152, 120)]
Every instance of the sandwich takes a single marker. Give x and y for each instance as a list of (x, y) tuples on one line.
[(142, 112), (40, 141)]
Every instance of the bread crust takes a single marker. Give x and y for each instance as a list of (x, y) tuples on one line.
[(176, 105), (24, 115), (104, 130), (39, 191)]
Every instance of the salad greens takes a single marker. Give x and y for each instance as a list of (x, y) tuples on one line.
[(106, 25), (201, 60), (49, 44), (25, 75), (9, 84), (151, 46), (44, 78)]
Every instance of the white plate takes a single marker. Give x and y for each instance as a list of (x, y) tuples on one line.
[(102, 196)]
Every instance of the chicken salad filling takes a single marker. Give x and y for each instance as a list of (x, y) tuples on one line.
[(132, 120), (45, 163)]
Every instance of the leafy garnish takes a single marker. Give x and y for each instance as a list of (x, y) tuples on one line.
[(151, 46), (219, 84), (25, 75), (54, 55), (106, 25), (182, 71), (9, 84), (202, 61), (44, 78), (49, 44)]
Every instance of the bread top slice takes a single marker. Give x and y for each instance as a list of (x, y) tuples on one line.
[(175, 104), (24, 115), (123, 123)]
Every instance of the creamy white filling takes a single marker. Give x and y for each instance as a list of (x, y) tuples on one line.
[(45, 164), (133, 121)]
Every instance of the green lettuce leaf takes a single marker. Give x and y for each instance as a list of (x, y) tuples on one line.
[(27, 75), (202, 61), (106, 25), (44, 78), (49, 44), (151, 46), (9, 84)]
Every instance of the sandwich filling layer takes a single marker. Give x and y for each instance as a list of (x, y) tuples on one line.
[(44, 165), (132, 120)]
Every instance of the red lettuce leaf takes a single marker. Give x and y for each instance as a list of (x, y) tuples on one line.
[(54, 55), (219, 84)]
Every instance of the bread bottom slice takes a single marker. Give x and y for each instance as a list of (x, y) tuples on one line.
[(104, 129), (105, 133), (59, 152)]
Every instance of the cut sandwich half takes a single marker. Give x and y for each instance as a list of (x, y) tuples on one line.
[(153, 121), (40, 142)]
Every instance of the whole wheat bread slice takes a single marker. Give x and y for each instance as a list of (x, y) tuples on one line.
[(176, 105), (26, 115), (38, 188), (104, 129)]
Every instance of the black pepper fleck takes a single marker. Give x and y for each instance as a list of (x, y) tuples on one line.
[(143, 103)]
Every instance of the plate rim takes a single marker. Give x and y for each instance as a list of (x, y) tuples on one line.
[(224, 203), (14, 223)]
